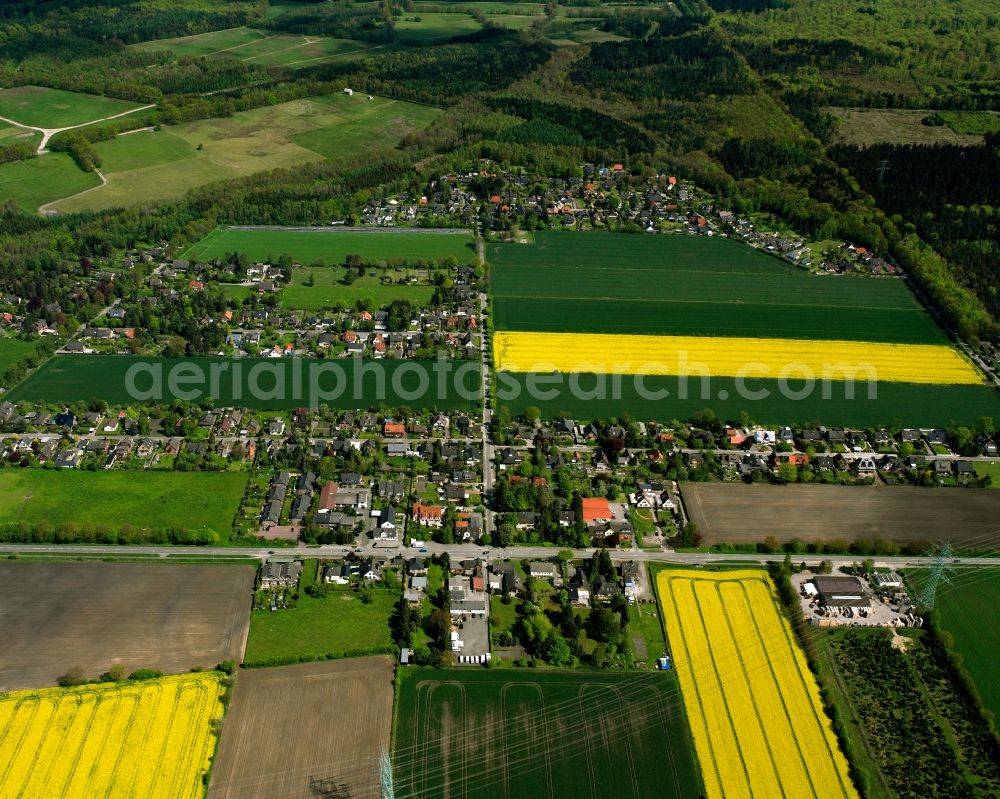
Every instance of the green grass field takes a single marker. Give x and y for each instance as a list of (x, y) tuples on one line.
[(327, 290), (9, 134), (967, 607), (687, 285), (55, 108), (143, 149), (359, 123), (537, 735), (332, 246), (337, 623), (488, 7), (433, 27), (14, 349), (251, 46), (150, 166), (972, 122), (868, 126), (911, 405), (37, 181), (191, 500), (260, 383)]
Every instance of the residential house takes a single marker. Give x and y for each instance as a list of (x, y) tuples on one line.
[(333, 496), (543, 569), (392, 490), (386, 528), (428, 515), (280, 572)]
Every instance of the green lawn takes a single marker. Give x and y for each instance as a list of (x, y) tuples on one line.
[(333, 625), (991, 469), (538, 734), (502, 617), (234, 291), (14, 349), (191, 500), (642, 520), (967, 607), (327, 290), (266, 48), (41, 180), (260, 383), (55, 108), (333, 245), (644, 623), (687, 285), (162, 165)]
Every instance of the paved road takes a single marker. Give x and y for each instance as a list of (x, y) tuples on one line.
[(460, 552), (489, 467)]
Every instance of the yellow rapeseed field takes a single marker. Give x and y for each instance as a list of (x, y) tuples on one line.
[(731, 357), (758, 724), (149, 739)]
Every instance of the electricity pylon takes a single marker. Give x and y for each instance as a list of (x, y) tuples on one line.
[(942, 556)]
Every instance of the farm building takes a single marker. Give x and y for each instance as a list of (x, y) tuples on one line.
[(842, 592), (477, 608), (887, 580)]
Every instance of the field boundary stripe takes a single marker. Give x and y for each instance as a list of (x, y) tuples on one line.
[(56, 704), (798, 658), (748, 605), (183, 770), (51, 771), (845, 306), (36, 702), (692, 584), (588, 748), (724, 696), (505, 687), (665, 718), (845, 693), (665, 708), (717, 584), (633, 774), (699, 700), (102, 700), (137, 698)]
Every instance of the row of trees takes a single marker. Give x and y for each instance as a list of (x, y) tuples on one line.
[(85, 533)]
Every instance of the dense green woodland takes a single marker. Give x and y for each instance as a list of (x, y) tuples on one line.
[(729, 93), (950, 193)]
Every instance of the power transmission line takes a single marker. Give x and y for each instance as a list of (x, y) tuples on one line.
[(942, 556)]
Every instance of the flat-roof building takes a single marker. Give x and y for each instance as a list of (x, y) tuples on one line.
[(842, 592)]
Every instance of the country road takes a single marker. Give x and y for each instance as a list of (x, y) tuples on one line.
[(44, 210), (460, 552), (48, 133)]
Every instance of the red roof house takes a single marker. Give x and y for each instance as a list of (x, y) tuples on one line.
[(596, 509)]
